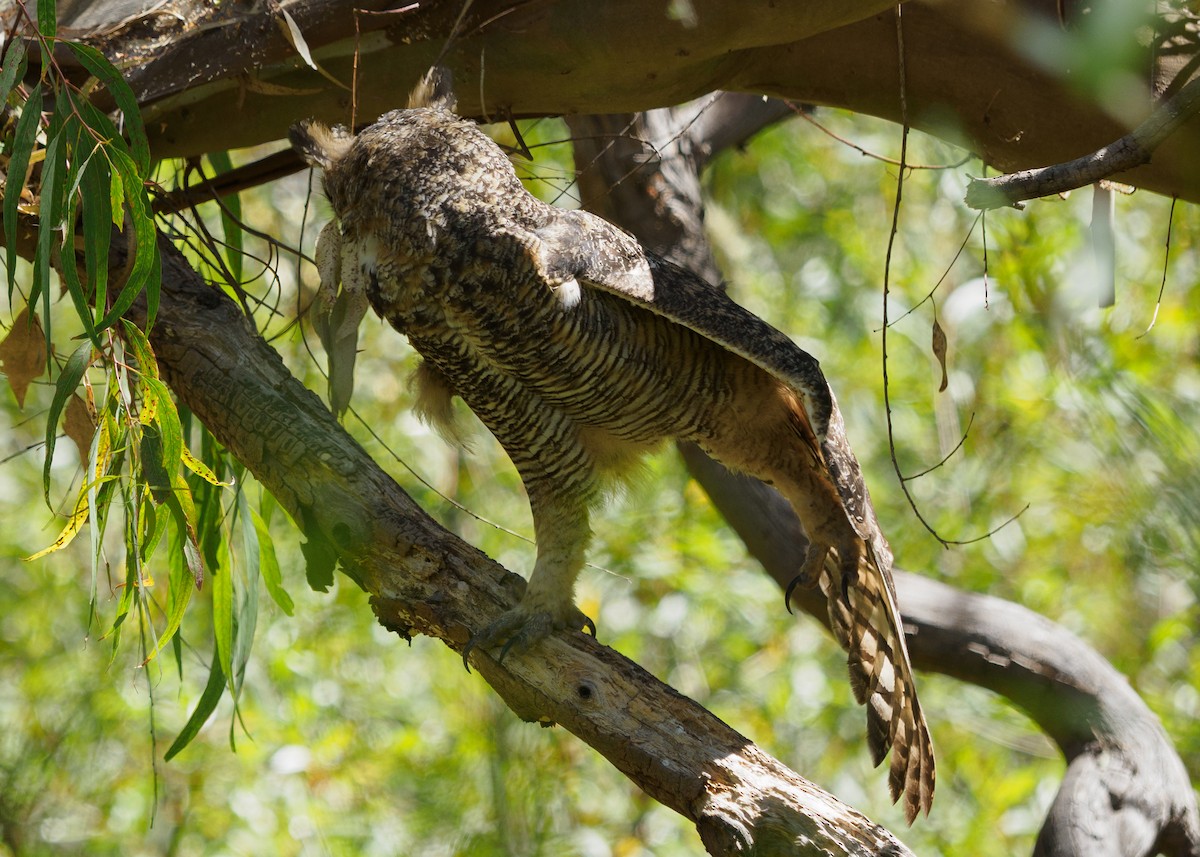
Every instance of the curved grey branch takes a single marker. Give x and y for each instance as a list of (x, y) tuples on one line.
[(1126, 792)]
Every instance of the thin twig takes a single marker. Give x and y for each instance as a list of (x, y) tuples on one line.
[(867, 153), (944, 275), (887, 266), (1162, 287), (887, 273), (1132, 150), (948, 455)]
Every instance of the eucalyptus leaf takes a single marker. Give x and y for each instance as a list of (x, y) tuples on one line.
[(13, 69), (64, 387), (231, 215), (204, 707), (145, 271), (24, 138), (99, 66)]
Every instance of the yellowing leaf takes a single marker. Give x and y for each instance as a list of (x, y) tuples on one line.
[(149, 408), (23, 353), (78, 518), (201, 469)]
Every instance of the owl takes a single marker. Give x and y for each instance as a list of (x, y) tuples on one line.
[(581, 351)]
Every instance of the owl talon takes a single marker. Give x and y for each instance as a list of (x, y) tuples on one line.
[(810, 572), (518, 630)]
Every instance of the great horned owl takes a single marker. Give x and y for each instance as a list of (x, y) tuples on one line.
[(581, 351)]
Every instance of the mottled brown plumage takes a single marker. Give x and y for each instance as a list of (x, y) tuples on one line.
[(580, 351)]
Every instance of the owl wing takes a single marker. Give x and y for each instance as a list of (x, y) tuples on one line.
[(577, 246)]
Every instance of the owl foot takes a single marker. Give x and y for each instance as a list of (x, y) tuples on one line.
[(520, 628), (814, 563)]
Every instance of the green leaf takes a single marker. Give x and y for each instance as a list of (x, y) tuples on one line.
[(68, 267), (247, 602), (143, 354), (222, 608), (47, 18), (134, 497), (154, 527), (102, 126), (270, 565), (150, 449), (117, 199), (75, 288), (184, 573), (49, 218), (99, 66), (167, 419), (23, 142), (13, 69), (145, 272), (97, 230), (78, 145), (207, 704), (320, 562), (68, 380), (231, 215), (98, 460)]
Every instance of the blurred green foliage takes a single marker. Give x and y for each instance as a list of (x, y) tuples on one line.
[(348, 741)]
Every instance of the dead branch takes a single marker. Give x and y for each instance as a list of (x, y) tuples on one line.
[(214, 77)]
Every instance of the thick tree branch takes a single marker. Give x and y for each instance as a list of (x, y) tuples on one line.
[(424, 580), (214, 77), (1126, 791)]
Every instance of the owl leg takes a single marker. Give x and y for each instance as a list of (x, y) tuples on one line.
[(559, 501), (827, 528), (767, 432)]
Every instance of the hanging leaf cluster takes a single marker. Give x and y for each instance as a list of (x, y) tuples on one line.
[(75, 186)]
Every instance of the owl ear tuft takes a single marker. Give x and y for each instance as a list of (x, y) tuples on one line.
[(435, 90), (318, 145)]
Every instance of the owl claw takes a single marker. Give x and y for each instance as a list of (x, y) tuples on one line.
[(519, 630), (810, 572)]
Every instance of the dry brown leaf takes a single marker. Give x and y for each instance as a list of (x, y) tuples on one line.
[(23, 353), (80, 424), (939, 351)]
